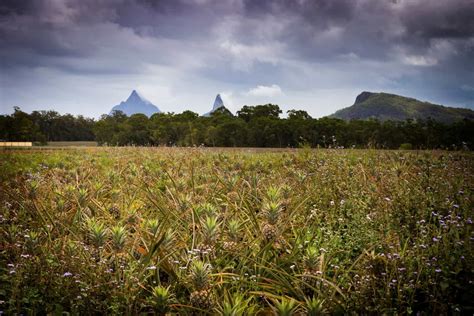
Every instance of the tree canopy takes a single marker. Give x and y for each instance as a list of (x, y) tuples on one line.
[(253, 126)]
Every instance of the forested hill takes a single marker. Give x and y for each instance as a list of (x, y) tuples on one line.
[(384, 106)]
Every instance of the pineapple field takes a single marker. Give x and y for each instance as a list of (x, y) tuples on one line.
[(236, 231)]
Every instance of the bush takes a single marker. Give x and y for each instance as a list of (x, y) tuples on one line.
[(406, 146)]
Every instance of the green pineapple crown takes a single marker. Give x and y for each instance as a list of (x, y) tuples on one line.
[(285, 306), (314, 306), (96, 232), (119, 236), (152, 226), (200, 275), (233, 227), (210, 228), (161, 298), (271, 211), (273, 194), (206, 209), (311, 257)]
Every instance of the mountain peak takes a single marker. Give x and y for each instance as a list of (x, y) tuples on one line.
[(218, 106), (363, 96), (136, 96), (385, 106), (218, 102), (134, 104)]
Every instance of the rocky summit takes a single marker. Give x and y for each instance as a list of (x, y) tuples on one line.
[(136, 104), (218, 103)]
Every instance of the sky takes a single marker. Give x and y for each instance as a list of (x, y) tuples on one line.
[(84, 57)]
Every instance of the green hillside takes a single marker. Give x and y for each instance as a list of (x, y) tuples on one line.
[(385, 106)]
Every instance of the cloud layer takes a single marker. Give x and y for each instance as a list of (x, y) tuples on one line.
[(85, 56)]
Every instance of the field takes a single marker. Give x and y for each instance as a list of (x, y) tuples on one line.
[(236, 232)]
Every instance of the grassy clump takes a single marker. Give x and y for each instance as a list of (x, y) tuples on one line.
[(142, 230)]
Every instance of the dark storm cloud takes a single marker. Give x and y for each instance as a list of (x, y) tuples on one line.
[(405, 45), (313, 29), (443, 19)]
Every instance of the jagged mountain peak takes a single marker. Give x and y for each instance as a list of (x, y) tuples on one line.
[(218, 105), (218, 102), (136, 103)]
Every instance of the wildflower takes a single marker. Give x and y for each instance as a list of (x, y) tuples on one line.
[(438, 270), (67, 274), (151, 268), (435, 239)]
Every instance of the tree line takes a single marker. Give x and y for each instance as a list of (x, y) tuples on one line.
[(252, 126)]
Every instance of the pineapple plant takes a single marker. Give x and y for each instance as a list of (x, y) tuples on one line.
[(273, 194), (206, 209), (201, 296), (237, 305), (82, 197), (285, 307), (152, 226), (232, 243), (96, 233), (119, 236), (271, 212), (314, 307), (210, 228), (161, 299), (312, 264)]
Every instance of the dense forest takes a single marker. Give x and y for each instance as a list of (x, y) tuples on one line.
[(253, 126)]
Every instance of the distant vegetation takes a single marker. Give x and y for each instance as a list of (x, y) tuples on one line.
[(253, 126), (385, 106)]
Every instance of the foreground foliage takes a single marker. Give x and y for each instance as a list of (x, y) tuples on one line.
[(142, 230)]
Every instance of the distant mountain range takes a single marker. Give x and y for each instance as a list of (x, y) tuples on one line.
[(384, 106), (381, 106), (136, 104)]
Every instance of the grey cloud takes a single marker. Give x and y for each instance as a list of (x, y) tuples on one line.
[(424, 48)]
